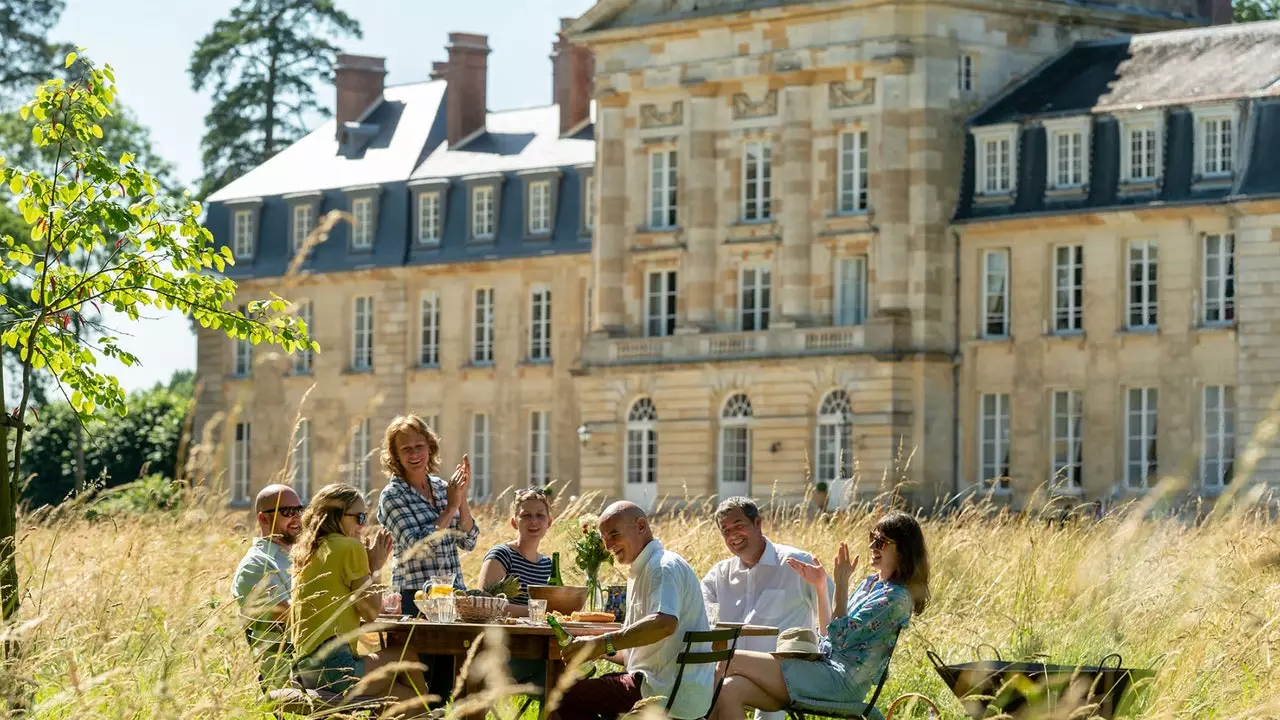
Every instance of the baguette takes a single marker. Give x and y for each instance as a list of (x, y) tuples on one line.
[(593, 617)]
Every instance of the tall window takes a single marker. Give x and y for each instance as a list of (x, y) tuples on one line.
[(539, 207), (243, 361), (429, 225), (965, 80), (1068, 159), (851, 291), (482, 220), (362, 334), (834, 451), (995, 293), (660, 304), (302, 224), (539, 448), (240, 484), (304, 359), (662, 188), (1143, 267), (1218, 456), (429, 338), (757, 181), (242, 234), (1067, 416), (1219, 279), (540, 324), (1142, 152), (358, 468), (589, 203), (1141, 458), (642, 443), (481, 456), (482, 327), (735, 446), (1068, 288), (1217, 146), (853, 171), (754, 297), (362, 232), (300, 466), (995, 160), (993, 441)]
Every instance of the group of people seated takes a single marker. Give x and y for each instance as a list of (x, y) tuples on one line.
[(306, 586)]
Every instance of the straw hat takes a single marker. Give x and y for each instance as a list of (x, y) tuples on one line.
[(799, 643)]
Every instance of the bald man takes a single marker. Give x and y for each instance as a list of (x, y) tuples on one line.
[(664, 601), (261, 584)]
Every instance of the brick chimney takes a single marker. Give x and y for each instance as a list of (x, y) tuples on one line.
[(439, 70), (468, 75), (573, 69), (359, 79)]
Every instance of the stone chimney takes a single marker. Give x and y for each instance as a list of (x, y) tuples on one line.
[(468, 75), (360, 82), (573, 69), (439, 70)]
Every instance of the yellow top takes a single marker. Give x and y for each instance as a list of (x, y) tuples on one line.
[(323, 604)]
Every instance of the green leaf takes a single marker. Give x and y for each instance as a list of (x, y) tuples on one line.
[(97, 131), (15, 184), (71, 58), (37, 135)]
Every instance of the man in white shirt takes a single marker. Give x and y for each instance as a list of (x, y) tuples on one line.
[(755, 586), (663, 603), (262, 582)]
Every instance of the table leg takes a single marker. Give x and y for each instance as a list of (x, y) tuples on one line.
[(554, 670)]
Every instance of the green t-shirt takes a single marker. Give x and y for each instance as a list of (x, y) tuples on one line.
[(323, 604)]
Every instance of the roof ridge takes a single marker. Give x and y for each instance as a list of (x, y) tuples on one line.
[(1223, 29)]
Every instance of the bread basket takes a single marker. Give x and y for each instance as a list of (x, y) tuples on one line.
[(477, 609)]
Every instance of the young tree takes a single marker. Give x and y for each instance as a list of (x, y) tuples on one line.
[(1255, 10), (261, 63), (155, 255)]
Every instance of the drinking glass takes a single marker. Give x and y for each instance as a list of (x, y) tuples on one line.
[(391, 602), (446, 610), (537, 612), (713, 614)]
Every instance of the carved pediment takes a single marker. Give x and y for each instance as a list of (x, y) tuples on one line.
[(744, 107), (652, 117), (852, 94)]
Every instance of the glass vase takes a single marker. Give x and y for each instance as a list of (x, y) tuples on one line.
[(593, 589)]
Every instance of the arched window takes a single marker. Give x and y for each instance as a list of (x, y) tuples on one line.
[(642, 452), (735, 446), (835, 459)]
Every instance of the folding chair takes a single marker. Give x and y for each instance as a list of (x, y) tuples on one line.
[(689, 657), (847, 711)]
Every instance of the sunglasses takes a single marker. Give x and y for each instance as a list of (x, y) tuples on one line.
[(288, 511), (878, 540), (360, 517)]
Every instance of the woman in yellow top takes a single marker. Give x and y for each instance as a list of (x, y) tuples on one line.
[(333, 595)]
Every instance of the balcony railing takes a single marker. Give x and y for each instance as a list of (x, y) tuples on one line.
[(790, 342)]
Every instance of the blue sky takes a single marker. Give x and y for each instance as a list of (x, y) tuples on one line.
[(149, 43)]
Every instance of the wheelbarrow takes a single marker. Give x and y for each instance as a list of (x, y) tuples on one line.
[(1027, 690)]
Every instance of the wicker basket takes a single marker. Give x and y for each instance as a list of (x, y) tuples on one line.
[(476, 609)]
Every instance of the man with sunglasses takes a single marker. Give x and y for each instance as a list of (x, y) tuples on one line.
[(262, 583)]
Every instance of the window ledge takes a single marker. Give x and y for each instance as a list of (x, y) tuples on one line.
[(426, 368), (473, 365), (988, 199), (540, 237), (1066, 194), (481, 240), (1065, 335), (428, 245), (238, 376), (300, 373), (1142, 331), (538, 362), (1138, 187), (357, 371), (1216, 327), (1006, 338), (360, 250)]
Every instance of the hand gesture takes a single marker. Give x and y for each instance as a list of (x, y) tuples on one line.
[(379, 547), (457, 492), (814, 574), (844, 567)]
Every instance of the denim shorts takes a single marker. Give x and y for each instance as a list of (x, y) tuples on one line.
[(336, 670)]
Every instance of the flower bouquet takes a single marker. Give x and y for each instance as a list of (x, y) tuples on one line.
[(589, 555)]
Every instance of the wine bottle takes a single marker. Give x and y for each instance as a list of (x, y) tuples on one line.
[(562, 636), (555, 570)]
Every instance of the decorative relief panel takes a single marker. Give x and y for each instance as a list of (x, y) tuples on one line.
[(744, 107), (652, 117), (853, 94)]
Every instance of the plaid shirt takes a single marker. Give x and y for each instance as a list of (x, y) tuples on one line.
[(411, 520)]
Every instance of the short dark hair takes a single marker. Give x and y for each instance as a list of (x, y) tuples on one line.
[(738, 502)]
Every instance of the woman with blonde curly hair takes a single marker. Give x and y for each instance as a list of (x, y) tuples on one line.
[(334, 594)]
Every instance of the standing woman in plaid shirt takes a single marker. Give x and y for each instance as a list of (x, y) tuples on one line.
[(429, 518)]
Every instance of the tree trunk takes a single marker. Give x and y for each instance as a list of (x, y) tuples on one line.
[(269, 114), (79, 437), (8, 525)]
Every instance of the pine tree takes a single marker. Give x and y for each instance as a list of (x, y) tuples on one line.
[(26, 56), (261, 63)]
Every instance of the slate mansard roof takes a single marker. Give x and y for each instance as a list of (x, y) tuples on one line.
[(1169, 74), (405, 154)]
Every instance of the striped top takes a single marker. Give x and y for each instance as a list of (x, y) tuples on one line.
[(528, 573)]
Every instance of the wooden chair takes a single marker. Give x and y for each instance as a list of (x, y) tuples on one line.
[(846, 711), (293, 699), (689, 657)]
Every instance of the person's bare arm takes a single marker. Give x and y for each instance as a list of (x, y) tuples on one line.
[(367, 602), (651, 629)]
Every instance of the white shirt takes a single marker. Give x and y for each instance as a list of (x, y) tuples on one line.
[(662, 582)]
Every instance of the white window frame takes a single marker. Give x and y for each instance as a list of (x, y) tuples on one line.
[(756, 281), (664, 189), (1152, 122), (1066, 473), (540, 323), (482, 212), (430, 215), (757, 181), (362, 230), (539, 220), (994, 451), (1206, 118), (242, 234), (482, 301), (589, 203), (833, 447), (1218, 437), (304, 360), (853, 171), (1004, 174), (300, 460), (1073, 310), (240, 469), (242, 354), (641, 464), (735, 442), (1145, 307), (850, 303), (303, 223), (967, 72), (362, 318), (1077, 131), (1147, 414), (539, 448), (1001, 315), (588, 306), (429, 329), (661, 324), (481, 456), (1218, 287), (358, 457)]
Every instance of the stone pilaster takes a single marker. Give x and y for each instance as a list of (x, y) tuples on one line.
[(891, 203), (1258, 330), (699, 198), (608, 255), (797, 191)]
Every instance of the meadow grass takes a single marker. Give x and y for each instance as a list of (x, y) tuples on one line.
[(130, 618)]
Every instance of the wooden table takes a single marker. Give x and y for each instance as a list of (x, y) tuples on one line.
[(747, 631)]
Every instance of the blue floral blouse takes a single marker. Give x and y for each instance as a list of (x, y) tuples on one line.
[(863, 638)]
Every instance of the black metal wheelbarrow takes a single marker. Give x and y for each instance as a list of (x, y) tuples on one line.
[(1027, 690)]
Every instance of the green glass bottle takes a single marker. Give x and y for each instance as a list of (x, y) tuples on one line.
[(555, 570), (562, 636)]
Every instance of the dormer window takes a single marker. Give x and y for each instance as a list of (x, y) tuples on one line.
[(1141, 148), (540, 207), (303, 222), (362, 230), (482, 215), (484, 198), (996, 149), (1068, 152), (242, 234), (1215, 140), (430, 218)]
